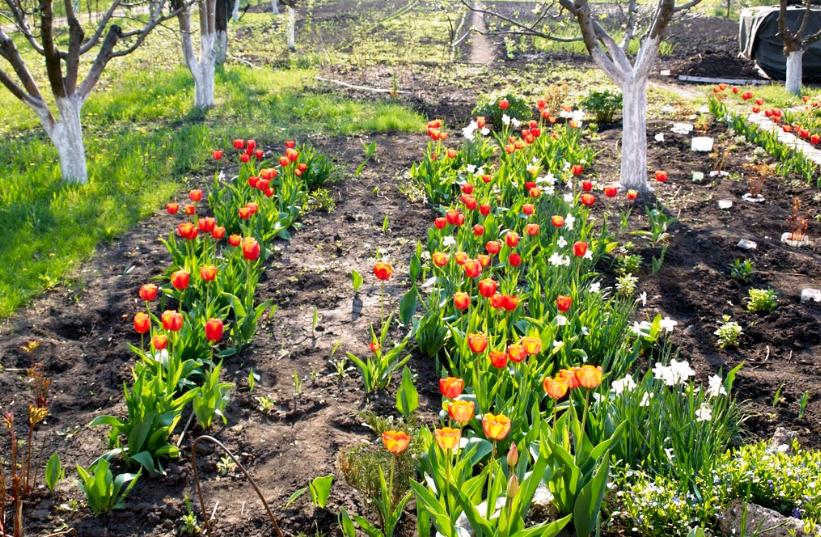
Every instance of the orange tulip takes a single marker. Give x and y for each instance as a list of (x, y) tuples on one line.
[(472, 268), (516, 353), (171, 321), (589, 376), (483, 260), (498, 359), (487, 287), (461, 411), (208, 273), (563, 303), (148, 292), (179, 279), (580, 249), (142, 322), (447, 437), (532, 229), (493, 247), (461, 300), (512, 239), (451, 387), (395, 441), (477, 342), (569, 376), (496, 427), (532, 345), (557, 221), (250, 249), (555, 388), (460, 258), (213, 330), (160, 342), (440, 259)]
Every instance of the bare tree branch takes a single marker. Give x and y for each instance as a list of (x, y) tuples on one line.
[(95, 37), (524, 29)]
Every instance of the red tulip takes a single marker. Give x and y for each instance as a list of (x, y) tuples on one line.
[(814, 139), (292, 154), (577, 169), (472, 268), (532, 229), (759, 101), (563, 303), (382, 270), (497, 301), (239, 144), (461, 300), (481, 121), (611, 191), (557, 221), (207, 224), (208, 273), (148, 292), (487, 287), (253, 207), (218, 233), (486, 178), (510, 302), (516, 353), (160, 342), (290, 144), (187, 230), (258, 154), (374, 346), (451, 153), (171, 321), (587, 186), (234, 240), (253, 181), (452, 217), (498, 359), (245, 213), (179, 279), (250, 249), (514, 260), (661, 176), (504, 104), (302, 167), (268, 173), (244, 158), (587, 199), (460, 258), (217, 154), (512, 239), (195, 195), (451, 387), (142, 322), (735, 89), (283, 161), (469, 201), (493, 247), (528, 208), (190, 209), (172, 208), (440, 259), (477, 342), (579, 249), (483, 260), (213, 330), (534, 192)]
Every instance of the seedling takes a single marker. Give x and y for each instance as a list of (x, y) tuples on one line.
[(803, 405), (629, 264), (762, 300), (297, 385), (266, 404), (320, 489), (370, 152), (742, 270), (626, 285), (798, 224), (728, 333), (252, 380), (777, 399), (54, 472), (357, 281), (226, 465), (189, 520)]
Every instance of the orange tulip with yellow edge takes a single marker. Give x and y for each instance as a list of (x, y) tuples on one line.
[(461, 411), (555, 388), (532, 345), (395, 441), (589, 376), (496, 427), (447, 437)]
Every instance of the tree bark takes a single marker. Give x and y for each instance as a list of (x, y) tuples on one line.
[(275, 7), (794, 71), (634, 134), (67, 136), (235, 10), (204, 84), (221, 39), (291, 28)]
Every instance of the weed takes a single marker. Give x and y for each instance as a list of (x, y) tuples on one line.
[(728, 333)]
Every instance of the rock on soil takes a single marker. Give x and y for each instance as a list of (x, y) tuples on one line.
[(773, 523), (810, 294), (783, 439), (746, 245)]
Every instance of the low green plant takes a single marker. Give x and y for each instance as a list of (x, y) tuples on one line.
[(626, 285), (320, 489), (629, 264), (728, 333), (190, 523), (226, 465), (742, 270), (54, 471), (104, 491), (803, 404), (378, 368), (356, 279), (266, 403), (603, 103), (762, 300), (370, 152), (488, 106), (212, 397)]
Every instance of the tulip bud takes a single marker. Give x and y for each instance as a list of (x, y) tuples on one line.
[(512, 486), (512, 456)]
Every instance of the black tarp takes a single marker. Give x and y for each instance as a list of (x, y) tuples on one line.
[(758, 40)]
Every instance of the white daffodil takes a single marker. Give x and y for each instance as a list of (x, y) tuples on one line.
[(506, 119), (485, 131), (716, 387), (569, 220), (626, 384), (555, 259), (642, 298), (471, 168), (449, 241), (645, 400), (641, 330), (595, 287), (561, 243), (668, 324), (561, 320), (568, 198), (588, 254), (704, 412), (516, 123), (469, 130)]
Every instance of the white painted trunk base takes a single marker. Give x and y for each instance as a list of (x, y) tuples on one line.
[(67, 136), (221, 47), (275, 7), (291, 28), (235, 11), (794, 72), (634, 135)]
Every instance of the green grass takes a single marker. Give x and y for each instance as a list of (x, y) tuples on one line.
[(143, 141)]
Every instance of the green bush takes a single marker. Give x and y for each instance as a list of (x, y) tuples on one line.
[(762, 300), (602, 103), (488, 106)]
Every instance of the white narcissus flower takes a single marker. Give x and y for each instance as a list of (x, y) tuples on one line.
[(645, 400), (704, 412), (716, 387), (588, 254), (595, 287), (561, 320), (485, 131), (641, 329), (569, 220), (471, 168), (561, 243), (568, 198), (549, 190), (516, 122), (469, 130), (682, 370), (626, 384), (643, 299), (555, 259), (668, 324), (449, 241), (506, 119)]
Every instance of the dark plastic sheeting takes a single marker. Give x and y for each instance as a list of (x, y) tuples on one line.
[(758, 40)]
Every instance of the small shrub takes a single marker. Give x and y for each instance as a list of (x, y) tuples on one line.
[(360, 466), (629, 264), (626, 285), (742, 270), (602, 103), (728, 333), (488, 107), (762, 300)]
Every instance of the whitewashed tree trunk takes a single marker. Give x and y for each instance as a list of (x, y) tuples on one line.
[(66, 133), (221, 47), (291, 28), (275, 7), (634, 134), (794, 71), (235, 11), (204, 84)]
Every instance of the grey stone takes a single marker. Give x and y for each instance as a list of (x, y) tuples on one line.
[(810, 294), (746, 245), (773, 523), (725, 204), (541, 506), (783, 440)]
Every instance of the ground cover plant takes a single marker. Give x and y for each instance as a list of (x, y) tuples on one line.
[(419, 302)]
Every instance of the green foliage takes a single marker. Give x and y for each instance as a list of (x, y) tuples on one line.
[(54, 471), (378, 368), (104, 491), (356, 278), (488, 106), (728, 333), (211, 398), (629, 264), (407, 398), (320, 489), (603, 103), (742, 270), (762, 300)]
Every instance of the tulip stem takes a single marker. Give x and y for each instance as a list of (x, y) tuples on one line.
[(584, 416), (447, 477), (389, 499), (382, 304), (490, 481)]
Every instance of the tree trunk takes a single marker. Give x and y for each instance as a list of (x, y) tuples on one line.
[(275, 7), (221, 24), (67, 136), (235, 11), (634, 134), (794, 71), (291, 28)]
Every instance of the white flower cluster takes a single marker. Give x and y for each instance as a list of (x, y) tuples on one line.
[(673, 374)]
